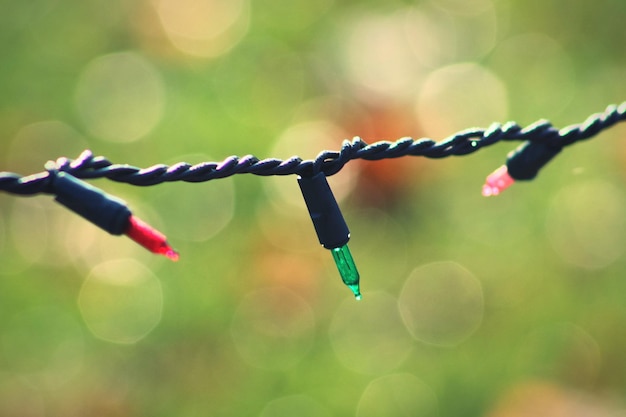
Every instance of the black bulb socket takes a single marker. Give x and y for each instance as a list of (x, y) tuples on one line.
[(525, 161), (108, 212), (330, 226)]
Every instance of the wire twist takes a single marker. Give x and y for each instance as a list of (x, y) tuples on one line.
[(88, 166)]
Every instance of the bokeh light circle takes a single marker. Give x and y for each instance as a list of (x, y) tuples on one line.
[(545, 65), (273, 328), (466, 31), (442, 303), (398, 395), (430, 36), (120, 97), (459, 96), (37, 229), (43, 346), (192, 215), (36, 143), (562, 351), (368, 336), (205, 28), (294, 405), (37, 226), (392, 54), (585, 232), (378, 55), (121, 301)]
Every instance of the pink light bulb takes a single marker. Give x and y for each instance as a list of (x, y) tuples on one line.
[(497, 181)]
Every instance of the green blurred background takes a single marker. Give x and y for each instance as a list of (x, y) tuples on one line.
[(509, 306)]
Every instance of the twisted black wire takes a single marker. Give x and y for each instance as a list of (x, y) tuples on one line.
[(88, 166)]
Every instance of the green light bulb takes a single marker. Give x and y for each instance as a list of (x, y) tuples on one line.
[(347, 269)]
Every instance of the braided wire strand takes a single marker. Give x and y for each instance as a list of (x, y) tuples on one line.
[(88, 166)]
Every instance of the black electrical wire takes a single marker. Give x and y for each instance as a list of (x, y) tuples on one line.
[(88, 166)]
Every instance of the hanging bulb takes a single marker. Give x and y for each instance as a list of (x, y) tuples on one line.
[(330, 226), (347, 269)]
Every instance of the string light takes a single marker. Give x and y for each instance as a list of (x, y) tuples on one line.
[(63, 178), (108, 212)]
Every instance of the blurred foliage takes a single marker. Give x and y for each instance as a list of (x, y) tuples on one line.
[(510, 306)]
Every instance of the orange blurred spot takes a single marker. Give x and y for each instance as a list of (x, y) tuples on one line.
[(545, 399), (386, 182)]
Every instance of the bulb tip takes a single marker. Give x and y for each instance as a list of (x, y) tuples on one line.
[(488, 191), (356, 290), (497, 181), (171, 254)]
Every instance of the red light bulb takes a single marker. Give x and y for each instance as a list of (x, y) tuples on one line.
[(149, 238)]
